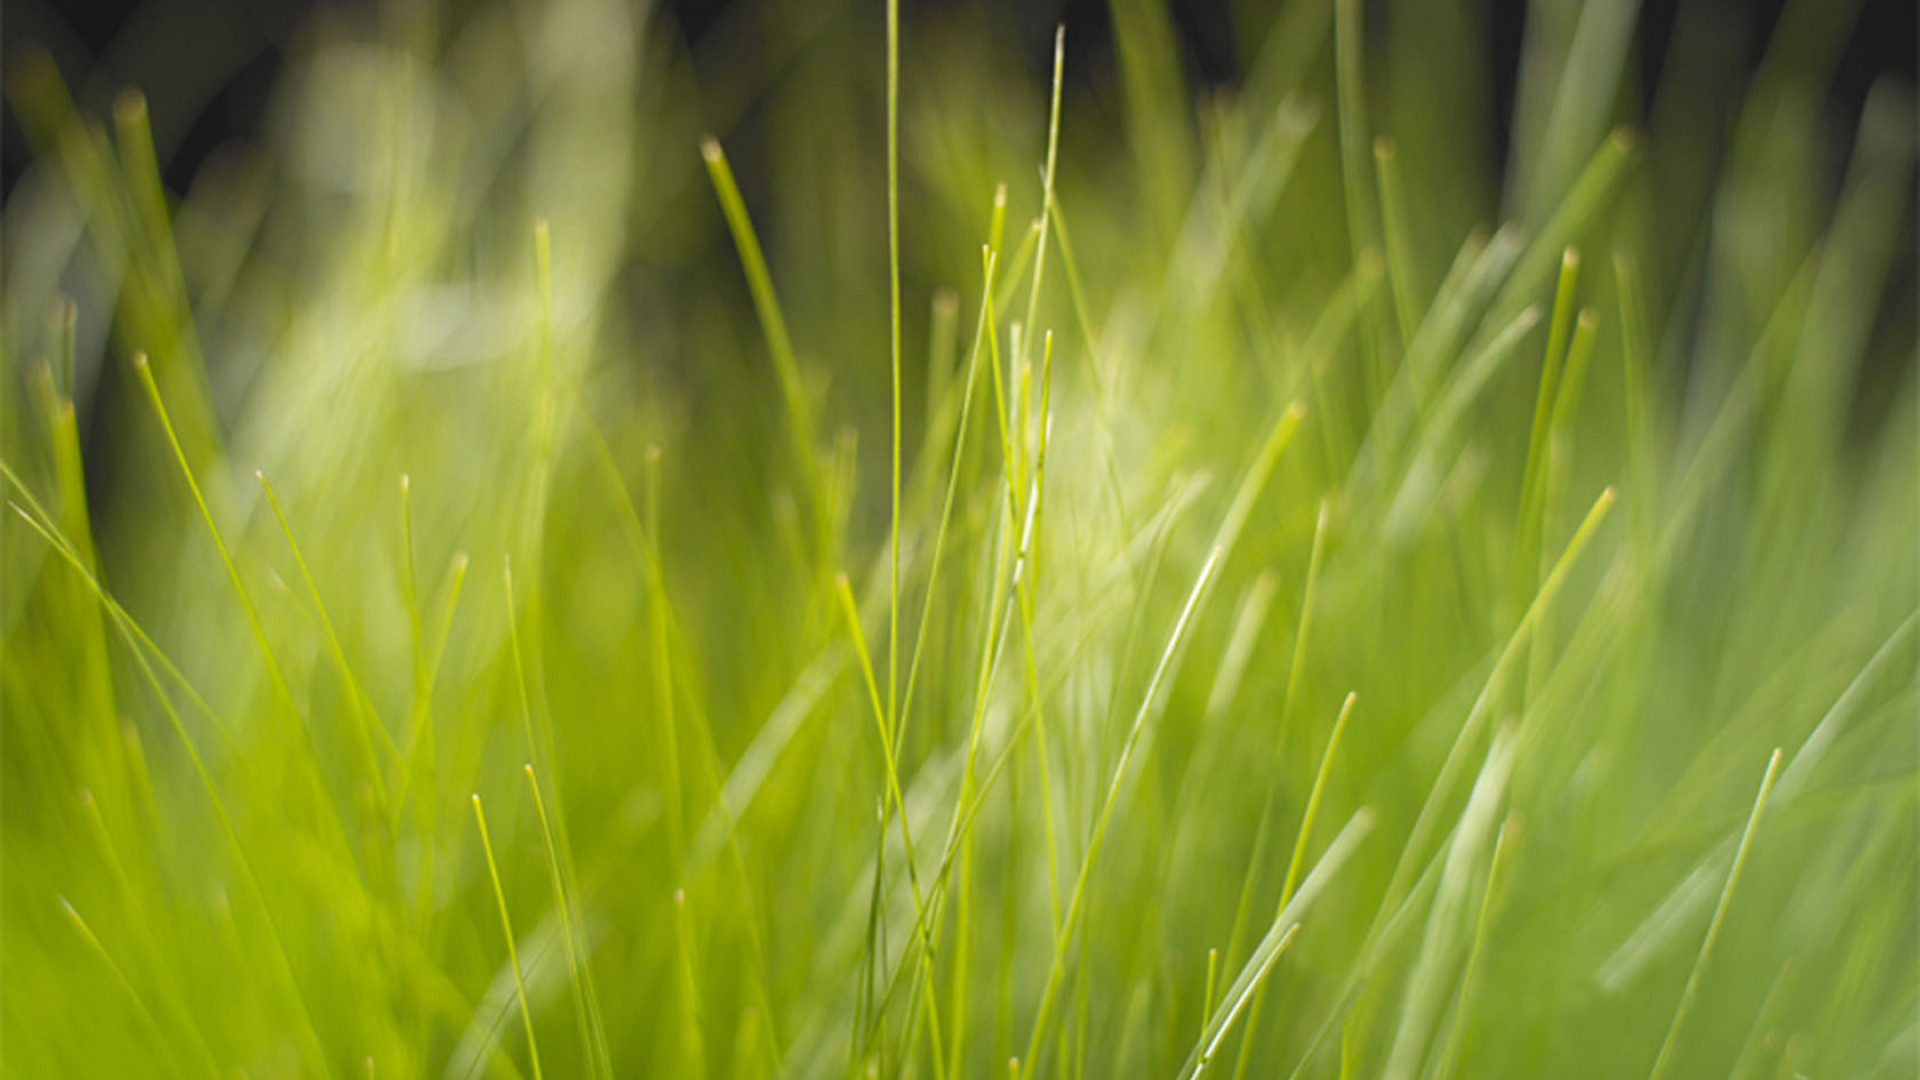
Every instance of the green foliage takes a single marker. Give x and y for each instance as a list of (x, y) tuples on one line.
[(879, 654)]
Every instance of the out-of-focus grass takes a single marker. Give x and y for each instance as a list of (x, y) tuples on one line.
[(1310, 607)]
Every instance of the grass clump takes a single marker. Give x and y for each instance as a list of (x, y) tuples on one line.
[(1248, 509)]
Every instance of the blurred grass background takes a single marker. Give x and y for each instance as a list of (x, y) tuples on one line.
[(1337, 619)]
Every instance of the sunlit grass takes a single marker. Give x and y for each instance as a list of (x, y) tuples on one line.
[(973, 573)]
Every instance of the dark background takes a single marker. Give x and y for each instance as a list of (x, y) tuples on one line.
[(100, 44)]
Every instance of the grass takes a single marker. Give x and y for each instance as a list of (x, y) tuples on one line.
[(1276, 513)]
